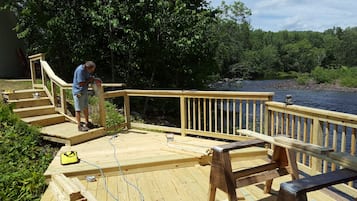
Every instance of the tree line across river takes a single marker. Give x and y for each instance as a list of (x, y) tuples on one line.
[(175, 44)]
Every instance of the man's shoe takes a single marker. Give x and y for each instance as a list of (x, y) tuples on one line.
[(83, 128), (90, 125)]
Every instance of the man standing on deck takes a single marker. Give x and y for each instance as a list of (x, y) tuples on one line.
[(82, 77)]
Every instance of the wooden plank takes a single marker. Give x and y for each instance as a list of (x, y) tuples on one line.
[(71, 191), (289, 142), (257, 178), (156, 127), (30, 102), (218, 135), (58, 194), (45, 120), (85, 193), (35, 111)]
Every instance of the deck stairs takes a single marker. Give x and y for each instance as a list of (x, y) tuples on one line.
[(35, 107)]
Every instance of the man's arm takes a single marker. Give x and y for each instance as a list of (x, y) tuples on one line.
[(89, 80)]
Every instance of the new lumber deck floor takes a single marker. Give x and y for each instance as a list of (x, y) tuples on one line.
[(161, 172), (69, 131)]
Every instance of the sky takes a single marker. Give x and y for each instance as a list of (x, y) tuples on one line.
[(299, 15)]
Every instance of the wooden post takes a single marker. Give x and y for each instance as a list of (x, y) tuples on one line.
[(101, 102), (33, 58), (63, 100), (53, 93), (183, 112), (33, 72), (317, 138), (127, 110), (267, 121)]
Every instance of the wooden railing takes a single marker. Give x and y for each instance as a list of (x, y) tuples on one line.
[(206, 113), (219, 114), (43, 77), (316, 126)]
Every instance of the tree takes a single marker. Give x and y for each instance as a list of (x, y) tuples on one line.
[(144, 43)]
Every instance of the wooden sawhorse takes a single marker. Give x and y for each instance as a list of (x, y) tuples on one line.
[(283, 162)]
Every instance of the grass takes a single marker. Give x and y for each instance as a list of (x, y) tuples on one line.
[(14, 84)]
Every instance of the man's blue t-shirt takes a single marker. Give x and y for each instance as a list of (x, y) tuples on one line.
[(80, 75)]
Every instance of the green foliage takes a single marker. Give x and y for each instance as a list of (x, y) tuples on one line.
[(321, 75), (142, 43), (348, 77), (303, 79), (23, 159), (172, 44), (344, 76), (113, 117)]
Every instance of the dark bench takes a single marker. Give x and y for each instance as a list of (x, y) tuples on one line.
[(296, 190)]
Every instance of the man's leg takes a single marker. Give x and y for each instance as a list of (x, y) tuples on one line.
[(86, 115), (78, 118), (78, 106)]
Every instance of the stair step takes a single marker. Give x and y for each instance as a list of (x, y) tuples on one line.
[(30, 102), (21, 94), (68, 133), (45, 120), (35, 111)]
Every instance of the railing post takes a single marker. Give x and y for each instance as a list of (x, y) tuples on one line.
[(267, 120), (63, 100), (127, 110), (101, 102), (34, 58), (317, 138), (183, 112), (53, 93)]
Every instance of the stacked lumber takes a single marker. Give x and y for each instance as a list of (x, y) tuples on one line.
[(69, 189)]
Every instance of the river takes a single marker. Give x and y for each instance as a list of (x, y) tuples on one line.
[(323, 99)]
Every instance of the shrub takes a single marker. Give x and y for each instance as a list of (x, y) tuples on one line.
[(113, 117), (322, 75), (23, 160), (303, 79)]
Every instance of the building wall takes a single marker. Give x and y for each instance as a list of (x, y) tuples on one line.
[(10, 64)]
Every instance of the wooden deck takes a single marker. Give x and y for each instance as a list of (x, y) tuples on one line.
[(161, 170)]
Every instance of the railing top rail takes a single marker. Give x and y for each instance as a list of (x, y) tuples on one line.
[(327, 114), (53, 76), (36, 55), (189, 93)]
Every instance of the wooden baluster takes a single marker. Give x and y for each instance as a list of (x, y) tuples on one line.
[(298, 136), (102, 111), (184, 115), (189, 112), (194, 122), (254, 114), (305, 140), (63, 100), (234, 102), (210, 114), (277, 124), (326, 144), (215, 116), (199, 113), (261, 118), (247, 114), (227, 116), (240, 114), (221, 115), (353, 147), (334, 145), (272, 127), (204, 114)]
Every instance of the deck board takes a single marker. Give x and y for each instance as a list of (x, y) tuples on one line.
[(160, 173)]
